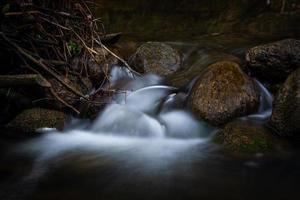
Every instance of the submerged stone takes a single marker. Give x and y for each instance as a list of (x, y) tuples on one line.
[(224, 92)]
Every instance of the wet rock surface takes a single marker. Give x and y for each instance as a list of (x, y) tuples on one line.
[(32, 119), (246, 137), (275, 61), (222, 93), (196, 61), (285, 119), (156, 57)]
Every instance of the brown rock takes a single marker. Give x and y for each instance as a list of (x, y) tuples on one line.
[(285, 119), (156, 57), (246, 137), (275, 61), (224, 92), (32, 119)]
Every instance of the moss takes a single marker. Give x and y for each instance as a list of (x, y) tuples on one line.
[(218, 139), (258, 144), (245, 137)]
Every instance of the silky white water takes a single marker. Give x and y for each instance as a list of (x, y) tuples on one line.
[(144, 124)]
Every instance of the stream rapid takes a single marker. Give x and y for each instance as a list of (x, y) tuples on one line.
[(145, 144)]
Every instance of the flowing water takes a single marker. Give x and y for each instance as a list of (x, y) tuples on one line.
[(144, 145)]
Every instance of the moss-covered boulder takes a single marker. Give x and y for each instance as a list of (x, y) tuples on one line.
[(224, 92), (275, 61), (246, 137), (32, 119), (285, 119), (156, 57)]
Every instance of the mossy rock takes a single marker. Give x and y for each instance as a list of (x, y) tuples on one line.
[(156, 57), (285, 119), (32, 119), (222, 93), (274, 62), (246, 137)]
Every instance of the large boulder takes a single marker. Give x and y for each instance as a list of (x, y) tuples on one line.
[(246, 137), (32, 119), (156, 57), (224, 92), (285, 119), (275, 61)]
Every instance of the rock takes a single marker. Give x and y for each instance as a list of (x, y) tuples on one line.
[(246, 137), (156, 57), (96, 68), (32, 119), (125, 49), (224, 92), (110, 38), (285, 119), (275, 61), (196, 62)]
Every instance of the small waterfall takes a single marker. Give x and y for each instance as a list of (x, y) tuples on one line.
[(153, 110), (149, 109), (121, 120), (148, 99), (265, 108), (149, 125)]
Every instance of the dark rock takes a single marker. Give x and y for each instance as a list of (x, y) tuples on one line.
[(285, 119), (246, 137), (96, 68), (222, 93), (110, 38), (32, 119), (196, 62), (275, 61), (125, 49), (156, 57)]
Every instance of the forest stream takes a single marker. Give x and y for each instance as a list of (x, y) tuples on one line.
[(144, 145), (196, 113)]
